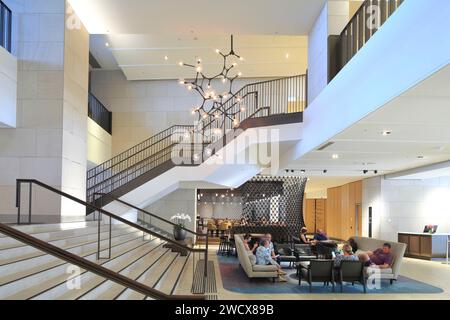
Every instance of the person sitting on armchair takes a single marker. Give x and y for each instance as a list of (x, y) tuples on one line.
[(347, 254), (320, 235), (263, 257), (247, 243), (381, 258), (304, 239)]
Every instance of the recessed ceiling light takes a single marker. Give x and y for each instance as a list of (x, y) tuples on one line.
[(287, 55), (166, 58), (335, 156), (107, 44), (386, 133)]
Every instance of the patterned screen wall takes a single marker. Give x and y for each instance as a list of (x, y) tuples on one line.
[(274, 205)]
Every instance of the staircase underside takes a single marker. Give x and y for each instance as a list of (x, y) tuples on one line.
[(235, 160)]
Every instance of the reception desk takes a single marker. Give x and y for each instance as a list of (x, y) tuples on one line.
[(424, 245)]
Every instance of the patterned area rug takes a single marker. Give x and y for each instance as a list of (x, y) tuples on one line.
[(234, 279)]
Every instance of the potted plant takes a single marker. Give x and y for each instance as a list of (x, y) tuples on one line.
[(180, 220)]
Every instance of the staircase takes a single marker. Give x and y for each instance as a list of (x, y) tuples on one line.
[(29, 273), (110, 258), (127, 175), (115, 258)]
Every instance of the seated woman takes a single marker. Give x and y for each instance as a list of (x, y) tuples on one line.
[(247, 243), (263, 257), (347, 254), (304, 239)]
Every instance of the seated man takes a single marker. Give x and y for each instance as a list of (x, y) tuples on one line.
[(320, 235), (263, 257), (381, 258), (347, 254)]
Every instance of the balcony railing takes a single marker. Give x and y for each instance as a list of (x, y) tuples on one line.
[(365, 23), (5, 26), (98, 112)]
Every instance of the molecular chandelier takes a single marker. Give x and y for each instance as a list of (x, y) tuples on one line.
[(213, 106)]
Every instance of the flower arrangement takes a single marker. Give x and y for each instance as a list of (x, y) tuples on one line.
[(180, 219)]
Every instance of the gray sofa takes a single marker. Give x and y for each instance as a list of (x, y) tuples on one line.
[(398, 251), (248, 262)]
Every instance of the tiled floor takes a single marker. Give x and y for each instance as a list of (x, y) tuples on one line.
[(433, 273)]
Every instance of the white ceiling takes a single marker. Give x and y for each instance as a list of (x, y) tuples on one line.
[(436, 170), (144, 57), (198, 17), (419, 121), (141, 33)]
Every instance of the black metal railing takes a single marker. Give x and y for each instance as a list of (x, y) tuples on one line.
[(261, 99), (279, 96), (149, 220), (113, 219), (135, 161), (5, 26), (364, 24), (98, 112)]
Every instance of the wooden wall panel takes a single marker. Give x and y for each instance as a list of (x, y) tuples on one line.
[(334, 212), (321, 209), (310, 213), (342, 209), (315, 214)]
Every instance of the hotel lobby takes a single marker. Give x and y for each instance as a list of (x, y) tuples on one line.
[(296, 150)]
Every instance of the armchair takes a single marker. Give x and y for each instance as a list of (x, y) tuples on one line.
[(351, 271), (317, 271)]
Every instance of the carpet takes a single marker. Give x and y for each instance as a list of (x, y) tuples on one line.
[(234, 279)]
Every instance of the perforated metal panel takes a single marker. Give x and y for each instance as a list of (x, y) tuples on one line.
[(273, 205)]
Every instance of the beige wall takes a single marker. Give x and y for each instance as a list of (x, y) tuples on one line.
[(331, 21), (99, 143), (49, 143), (76, 86), (179, 201), (354, 5), (144, 108), (405, 205)]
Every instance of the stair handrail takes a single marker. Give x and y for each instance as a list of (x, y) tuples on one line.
[(135, 146), (95, 208), (254, 84), (149, 213), (91, 266)]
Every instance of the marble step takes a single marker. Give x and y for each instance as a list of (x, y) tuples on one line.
[(9, 243), (39, 283), (24, 268), (22, 253), (88, 280), (184, 285), (151, 277), (46, 228), (169, 281), (108, 290)]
